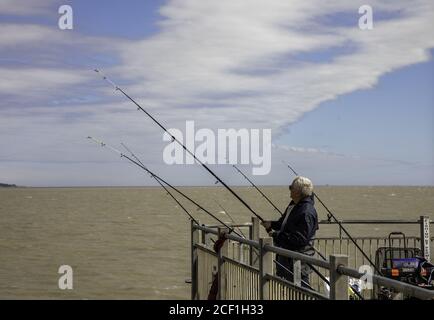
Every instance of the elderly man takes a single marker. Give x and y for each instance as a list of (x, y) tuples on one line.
[(296, 228)]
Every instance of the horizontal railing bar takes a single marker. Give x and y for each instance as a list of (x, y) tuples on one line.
[(236, 225), (373, 222), (206, 229), (240, 264), (355, 221), (369, 238), (293, 286), (414, 291), (251, 243), (297, 256), (204, 248)]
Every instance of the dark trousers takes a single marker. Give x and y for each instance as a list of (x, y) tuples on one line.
[(285, 270)]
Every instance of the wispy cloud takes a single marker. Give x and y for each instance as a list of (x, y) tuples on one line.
[(331, 154), (31, 80), (26, 7), (26, 35)]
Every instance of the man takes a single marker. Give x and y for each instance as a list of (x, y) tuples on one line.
[(295, 229)]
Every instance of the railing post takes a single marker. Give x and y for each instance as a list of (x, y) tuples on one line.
[(265, 267), (223, 252), (425, 241), (254, 253), (338, 282), (241, 253), (297, 272), (250, 248), (202, 238), (194, 241)]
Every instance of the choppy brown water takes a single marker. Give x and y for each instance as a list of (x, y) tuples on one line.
[(135, 243)]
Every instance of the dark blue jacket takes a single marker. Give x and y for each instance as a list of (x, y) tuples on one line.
[(300, 227)]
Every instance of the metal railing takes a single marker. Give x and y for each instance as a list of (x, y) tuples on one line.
[(370, 244), (244, 268)]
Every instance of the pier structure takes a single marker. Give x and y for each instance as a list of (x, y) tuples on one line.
[(245, 267)]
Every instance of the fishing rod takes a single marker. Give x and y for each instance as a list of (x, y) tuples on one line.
[(139, 107), (163, 181), (163, 186), (332, 216), (259, 190)]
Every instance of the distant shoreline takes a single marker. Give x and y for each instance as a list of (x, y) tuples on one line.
[(5, 185)]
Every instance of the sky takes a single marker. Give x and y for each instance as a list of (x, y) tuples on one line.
[(345, 106)]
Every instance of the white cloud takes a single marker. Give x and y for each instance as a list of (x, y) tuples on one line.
[(34, 36), (32, 80), (40, 63), (197, 57), (26, 7), (26, 34)]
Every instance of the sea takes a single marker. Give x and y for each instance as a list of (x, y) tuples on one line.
[(134, 242)]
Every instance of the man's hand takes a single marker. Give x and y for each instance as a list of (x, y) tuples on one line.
[(266, 224)]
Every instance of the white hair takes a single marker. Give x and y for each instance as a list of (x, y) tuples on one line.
[(303, 185)]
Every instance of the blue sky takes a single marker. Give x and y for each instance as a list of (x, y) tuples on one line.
[(133, 19), (392, 121), (345, 106)]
